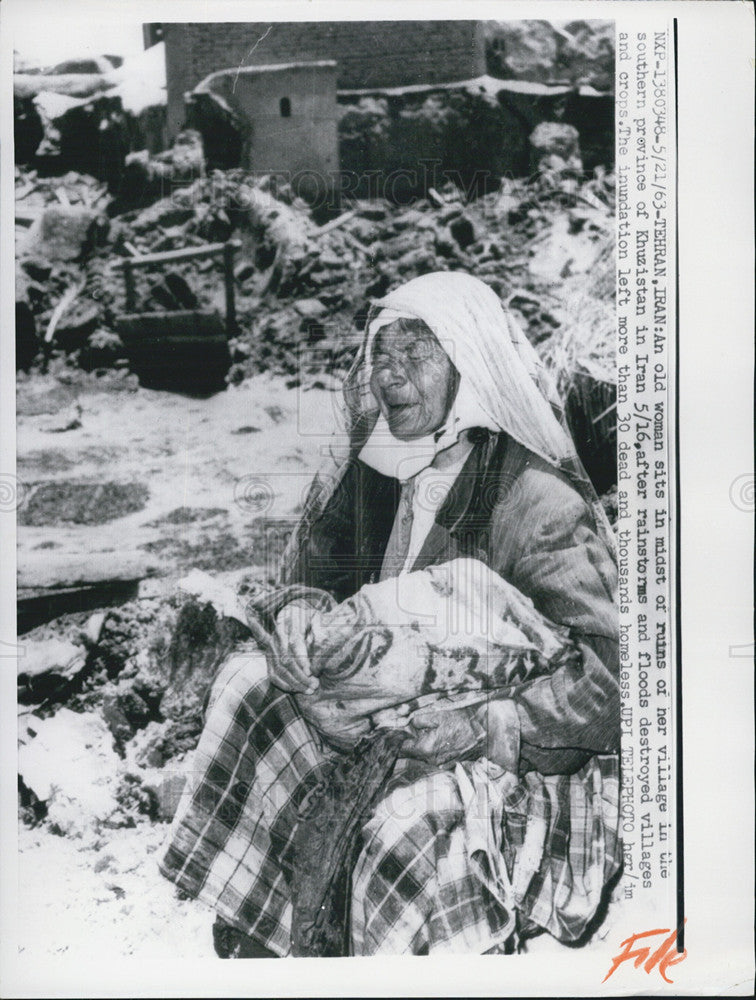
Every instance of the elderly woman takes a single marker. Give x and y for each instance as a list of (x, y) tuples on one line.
[(455, 448)]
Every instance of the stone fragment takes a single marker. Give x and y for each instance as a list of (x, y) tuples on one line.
[(169, 790), (166, 784), (555, 146), (65, 233), (463, 231), (310, 308), (46, 667)]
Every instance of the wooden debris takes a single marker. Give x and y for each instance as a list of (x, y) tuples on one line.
[(334, 223), (26, 216), (66, 301), (22, 192), (166, 256), (354, 242)]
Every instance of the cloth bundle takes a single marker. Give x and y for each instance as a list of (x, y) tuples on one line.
[(450, 635)]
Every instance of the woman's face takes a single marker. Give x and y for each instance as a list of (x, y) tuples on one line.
[(412, 379)]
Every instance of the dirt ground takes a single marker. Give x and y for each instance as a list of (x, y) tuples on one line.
[(201, 477)]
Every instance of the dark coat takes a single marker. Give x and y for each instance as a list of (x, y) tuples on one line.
[(527, 521)]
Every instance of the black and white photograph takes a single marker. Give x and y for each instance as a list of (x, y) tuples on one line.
[(345, 491)]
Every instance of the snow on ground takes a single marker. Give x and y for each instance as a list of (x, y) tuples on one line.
[(104, 897)]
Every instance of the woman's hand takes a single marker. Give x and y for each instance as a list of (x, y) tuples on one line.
[(293, 672), (441, 737)]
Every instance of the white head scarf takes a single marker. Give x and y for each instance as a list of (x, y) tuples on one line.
[(501, 376)]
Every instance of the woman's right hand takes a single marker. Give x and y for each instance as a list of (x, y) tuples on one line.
[(292, 672)]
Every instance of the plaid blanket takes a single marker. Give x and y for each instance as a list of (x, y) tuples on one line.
[(417, 886)]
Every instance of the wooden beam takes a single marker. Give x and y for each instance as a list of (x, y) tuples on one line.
[(335, 223), (167, 256), (229, 250), (66, 300), (128, 277)]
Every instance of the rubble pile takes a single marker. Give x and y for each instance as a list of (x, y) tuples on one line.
[(577, 52), (302, 287), (88, 114), (411, 138), (109, 707)]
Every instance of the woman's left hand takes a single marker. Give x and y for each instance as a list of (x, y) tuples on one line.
[(441, 737)]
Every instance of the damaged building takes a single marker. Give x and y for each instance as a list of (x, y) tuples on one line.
[(272, 115), (369, 54), (410, 100)]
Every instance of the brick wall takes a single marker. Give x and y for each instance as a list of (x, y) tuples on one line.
[(369, 53)]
